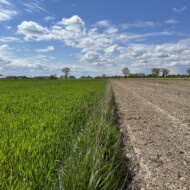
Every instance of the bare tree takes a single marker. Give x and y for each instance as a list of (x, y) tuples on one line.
[(188, 71), (126, 71), (165, 72), (66, 71), (155, 72)]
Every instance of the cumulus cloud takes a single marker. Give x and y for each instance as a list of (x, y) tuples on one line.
[(31, 65), (68, 30), (179, 10), (111, 49), (47, 49), (72, 32), (96, 42), (112, 46), (7, 10), (164, 55), (73, 22), (31, 30), (91, 57), (95, 58)]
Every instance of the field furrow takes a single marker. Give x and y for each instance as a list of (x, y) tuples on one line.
[(158, 132)]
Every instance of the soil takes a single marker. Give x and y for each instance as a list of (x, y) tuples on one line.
[(155, 125)]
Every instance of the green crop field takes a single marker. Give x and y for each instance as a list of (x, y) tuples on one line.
[(57, 134)]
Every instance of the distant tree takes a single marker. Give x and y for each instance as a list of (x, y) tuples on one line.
[(53, 77), (126, 71), (72, 77), (165, 72), (66, 71), (155, 72), (83, 77), (104, 76), (137, 75), (11, 77), (188, 71)]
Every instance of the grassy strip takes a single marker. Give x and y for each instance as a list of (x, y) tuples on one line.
[(96, 160)]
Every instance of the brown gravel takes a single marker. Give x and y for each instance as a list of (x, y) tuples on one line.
[(155, 124)]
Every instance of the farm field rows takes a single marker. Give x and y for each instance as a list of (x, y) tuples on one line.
[(155, 123), (50, 135)]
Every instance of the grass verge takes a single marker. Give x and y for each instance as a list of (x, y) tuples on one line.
[(97, 160)]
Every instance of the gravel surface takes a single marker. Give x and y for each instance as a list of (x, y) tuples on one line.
[(155, 125)]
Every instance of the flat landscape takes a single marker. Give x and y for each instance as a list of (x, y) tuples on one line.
[(155, 125)]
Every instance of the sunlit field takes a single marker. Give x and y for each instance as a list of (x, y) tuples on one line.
[(50, 135)]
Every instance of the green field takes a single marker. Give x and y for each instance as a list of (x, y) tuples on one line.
[(57, 134)]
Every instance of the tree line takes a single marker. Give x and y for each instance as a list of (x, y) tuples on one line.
[(155, 72)]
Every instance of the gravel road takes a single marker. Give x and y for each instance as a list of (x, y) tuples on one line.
[(155, 124)]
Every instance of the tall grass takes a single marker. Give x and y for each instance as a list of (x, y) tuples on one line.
[(97, 160)]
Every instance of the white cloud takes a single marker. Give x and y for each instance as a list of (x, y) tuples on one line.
[(31, 29), (4, 51), (112, 46), (126, 37), (47, 49), (3, 62), (34, 6), (72, 32), (68, 30), (4, 47), (111, 30), (164, 55), (90, 57), (49, 18), (140, 24), (5, 2), (103, 23), (9, 39), (111, 49), (31, 65), (3, 55), (7, 10), (179, 10), (96, 42), (72, 23), (171, 21)]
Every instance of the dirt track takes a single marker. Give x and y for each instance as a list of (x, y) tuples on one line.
[(155, 124)]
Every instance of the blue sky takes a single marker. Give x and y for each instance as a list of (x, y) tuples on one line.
[(39, 37)]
